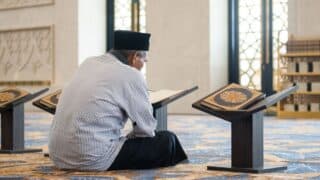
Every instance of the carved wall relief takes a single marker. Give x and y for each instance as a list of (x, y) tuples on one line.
[(14, 4), (27, 54)]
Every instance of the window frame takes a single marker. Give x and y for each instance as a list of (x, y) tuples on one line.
[(267, 46)]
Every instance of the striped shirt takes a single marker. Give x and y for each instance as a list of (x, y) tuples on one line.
[(93, 108)]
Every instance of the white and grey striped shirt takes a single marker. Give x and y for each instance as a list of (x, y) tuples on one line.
[(93, 108)]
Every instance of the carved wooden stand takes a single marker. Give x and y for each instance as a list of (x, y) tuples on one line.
[(12, 125), (159, 108), (247, 135)]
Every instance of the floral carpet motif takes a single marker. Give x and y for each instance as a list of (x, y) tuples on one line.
[(206, 140)]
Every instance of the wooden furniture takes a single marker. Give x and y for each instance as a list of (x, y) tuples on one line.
[(246, 135), (302, 69), (159, 107), (12, 125)]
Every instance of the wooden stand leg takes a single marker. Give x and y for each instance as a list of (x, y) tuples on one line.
[(247, 146), (161, 116), (12, 131), (247, 142)]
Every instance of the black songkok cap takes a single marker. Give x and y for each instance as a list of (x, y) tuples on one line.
[(129, 40)]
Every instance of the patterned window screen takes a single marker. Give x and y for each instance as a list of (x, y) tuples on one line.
[(280, 33), (250, 35), (123, 15), (130, 15), (250, 39)]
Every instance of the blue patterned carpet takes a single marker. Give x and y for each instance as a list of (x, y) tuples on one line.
[(206, 140)]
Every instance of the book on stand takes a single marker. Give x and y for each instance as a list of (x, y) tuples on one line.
[(157, 98), (9, 95), (232, 97), (51, 100)]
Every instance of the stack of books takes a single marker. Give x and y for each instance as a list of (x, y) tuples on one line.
[(300, 46)]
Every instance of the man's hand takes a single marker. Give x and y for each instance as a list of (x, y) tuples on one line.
[(131, 135)]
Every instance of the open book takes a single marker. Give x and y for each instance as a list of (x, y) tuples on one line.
[(160, 95), (165, 96), (157, 98), (9, 95), (52, 99)]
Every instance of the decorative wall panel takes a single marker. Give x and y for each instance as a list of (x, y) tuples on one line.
[(14, 4), (27, 54)]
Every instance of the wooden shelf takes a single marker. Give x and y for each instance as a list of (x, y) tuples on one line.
[(302, 54), (307, 93), (300, 74), (298, 56), (307, 115)]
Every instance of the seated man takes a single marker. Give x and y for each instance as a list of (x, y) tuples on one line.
[(94, 107)]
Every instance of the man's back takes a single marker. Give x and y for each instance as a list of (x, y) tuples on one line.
[(94, 107), (85, 133)]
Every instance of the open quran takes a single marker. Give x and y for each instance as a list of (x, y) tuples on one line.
[(232, 97), (157, 98), (160, 95), (9, 95), (51, 100)]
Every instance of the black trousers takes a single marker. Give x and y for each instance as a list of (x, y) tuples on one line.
[(143, 153)]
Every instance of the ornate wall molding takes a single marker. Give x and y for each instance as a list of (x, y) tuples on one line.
[(14, 4), (25, 83), (27, 54)]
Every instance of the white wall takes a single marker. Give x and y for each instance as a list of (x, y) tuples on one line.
[(79, 32), (304, 18), (63, 15), (218, 44), (181, 54), (92, 28)]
